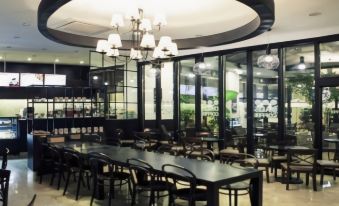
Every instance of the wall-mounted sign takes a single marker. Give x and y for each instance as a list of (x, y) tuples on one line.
[(9, 79), (29, 79), (55, 79)]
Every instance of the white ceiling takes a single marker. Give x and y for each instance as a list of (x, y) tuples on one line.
[(18, 42)]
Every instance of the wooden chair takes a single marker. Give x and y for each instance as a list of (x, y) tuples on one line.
[(242, 160), (4, 185), (300, 161), (331, 164)]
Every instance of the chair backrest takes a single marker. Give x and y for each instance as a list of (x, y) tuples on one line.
[(177, 174), (4, 155), (141, 172), (201, 154), (31, 203), (4, 179), (71, 157), (241, 159), (302, 157), (99, 161)]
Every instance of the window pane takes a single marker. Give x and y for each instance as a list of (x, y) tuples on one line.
[(149, 93), (265, 97), (209, 95), (299, 93), (235, 93), (167, 91), (187, 93), (329, 59), (131, 79)]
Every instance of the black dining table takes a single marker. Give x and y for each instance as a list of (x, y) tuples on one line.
[(213, 175)]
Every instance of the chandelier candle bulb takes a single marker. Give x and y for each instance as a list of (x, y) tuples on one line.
[(133, 14), (102, 46), (158, 53), (117, 21), (159, 20), (112, 53), (135, 54), (114, 41)]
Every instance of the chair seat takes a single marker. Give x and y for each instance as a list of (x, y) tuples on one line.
[(328, 163), (299, 168), (237, 186), (184, 193), (261, 162), (228, 151), (279, 158)]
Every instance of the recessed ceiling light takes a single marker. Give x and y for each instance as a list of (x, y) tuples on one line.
[(56, 60), (82, 62), (95, 77), (258, 73), (317, 13), (29, 59)]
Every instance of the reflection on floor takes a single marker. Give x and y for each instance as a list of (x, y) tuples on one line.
[(23, 186)]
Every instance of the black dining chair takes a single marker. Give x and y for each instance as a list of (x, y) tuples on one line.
[(76, 166), (176, 175), (4, 185), (201, 154), (104, 169), (4, 155), (239, 160), (46, 163), (146, 179), (57, 166)]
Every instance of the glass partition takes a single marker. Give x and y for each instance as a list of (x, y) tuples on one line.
[(209, 95), (265, 100), (235, 94), (329, 56), (299, 94), (150, 113), (187, 93), (167, 102)]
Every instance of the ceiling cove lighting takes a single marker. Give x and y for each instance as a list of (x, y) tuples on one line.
[(141, 34)]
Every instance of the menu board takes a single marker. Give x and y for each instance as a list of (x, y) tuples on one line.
[(55, 79), (29, 79), (9, 79)]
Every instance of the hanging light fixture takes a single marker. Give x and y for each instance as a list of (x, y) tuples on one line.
[(142, 37), (268, 60), (302, 64)]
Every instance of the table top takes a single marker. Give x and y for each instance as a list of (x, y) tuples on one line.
[(332, 140), (206, 172), (287, 147)]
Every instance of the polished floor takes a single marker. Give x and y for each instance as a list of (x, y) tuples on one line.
[(23, 186)]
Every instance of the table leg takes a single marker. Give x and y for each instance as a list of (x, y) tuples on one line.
[(257, 190), (212, 195)]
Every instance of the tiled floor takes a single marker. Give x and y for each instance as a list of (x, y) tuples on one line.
[(23, 186)]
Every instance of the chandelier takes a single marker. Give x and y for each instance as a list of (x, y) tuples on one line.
[(142, 37), (268, 60)]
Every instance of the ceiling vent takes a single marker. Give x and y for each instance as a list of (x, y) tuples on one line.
[(82, 28)]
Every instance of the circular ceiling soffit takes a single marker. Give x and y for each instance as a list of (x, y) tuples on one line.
[(264, 21)]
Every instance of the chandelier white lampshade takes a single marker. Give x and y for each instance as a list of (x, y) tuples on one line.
[(172, 50), (145, 25), (102, 46), (148, 41), (114, 41), (135, 54), (268, 61), (117, 21), (158, 53), (160, 20), (165, 42), (112, 53)]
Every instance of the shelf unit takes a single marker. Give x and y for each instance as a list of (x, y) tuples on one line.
[(66, 107)]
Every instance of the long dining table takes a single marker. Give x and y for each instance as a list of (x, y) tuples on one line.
[(213, 175)]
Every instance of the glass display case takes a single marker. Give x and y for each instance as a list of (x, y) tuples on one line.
[(8, 127)]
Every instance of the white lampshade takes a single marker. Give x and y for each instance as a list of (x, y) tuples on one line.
[(160, 20), (133, 14), (102, 46), (117, 21), (135, 54), (158, 53), (114, 41), (145, 25), (165, 42), (112, 53), (173, 49), (148, 41)]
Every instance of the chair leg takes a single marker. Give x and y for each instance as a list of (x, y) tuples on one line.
[(235, 197), (67, 182), (93, 190), (267, 175), (334, 174), (52, 178), (80, 179), (133, 195), (230, 197), (87, 180), (307, 179), (314, 179), (59, 179), (321, 175), (288, 175)]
